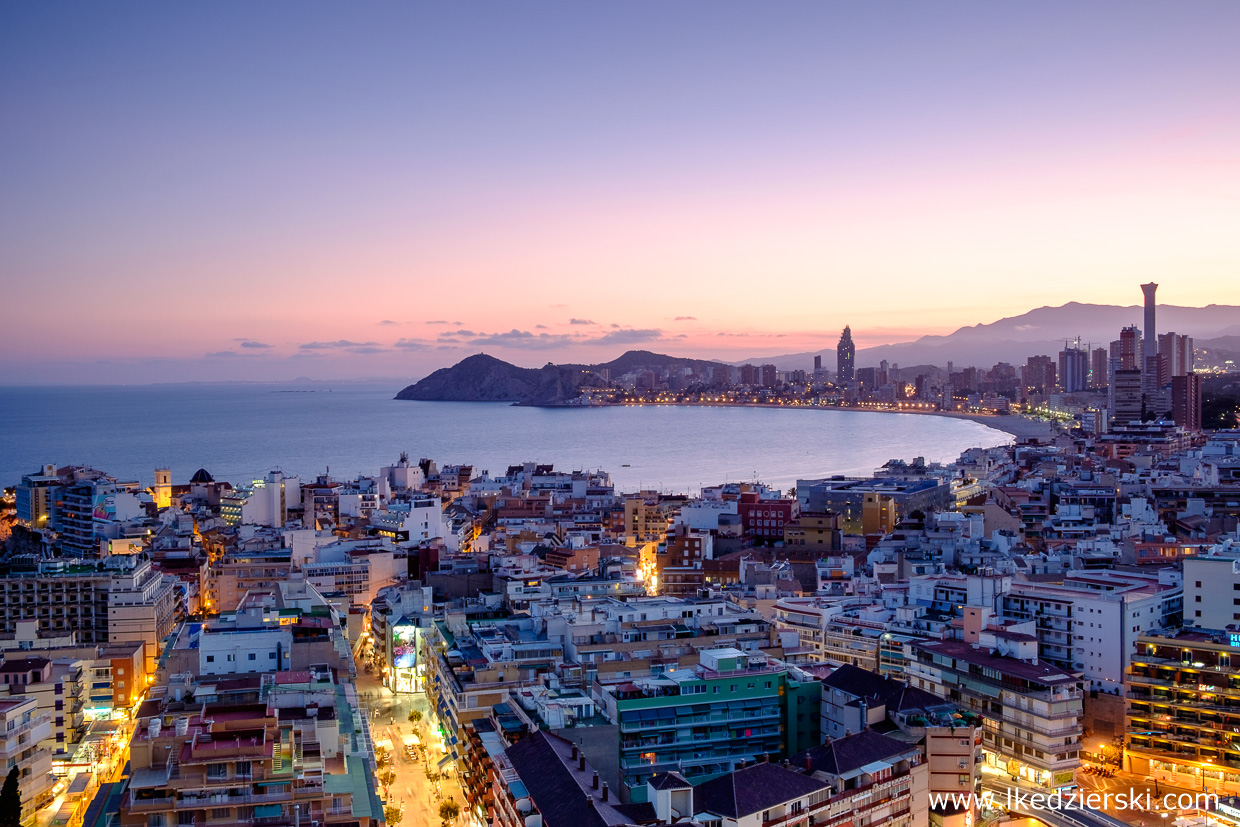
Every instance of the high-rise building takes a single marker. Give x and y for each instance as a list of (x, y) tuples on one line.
[(1177, 353), (1038, 374), (770, 376), (1129, 348), (1074, 367), (1151, 379), (1186, 401), (818, 363), (1151, 342), (1099, 368), (846, 357), (749, 375), (1126, 397)]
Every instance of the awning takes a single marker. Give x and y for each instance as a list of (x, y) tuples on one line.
[(444, 761), (267, 811)]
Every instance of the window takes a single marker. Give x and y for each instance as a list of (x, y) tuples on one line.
[(253, 656), (217, 770), (232, 658), (210, 658)]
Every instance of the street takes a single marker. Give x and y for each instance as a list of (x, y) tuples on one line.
[(411, 790), (1116, 794)]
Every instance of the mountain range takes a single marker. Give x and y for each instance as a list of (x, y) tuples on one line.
[(1040, 331)]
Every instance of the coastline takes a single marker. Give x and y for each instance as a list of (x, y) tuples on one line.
[(1021, 427)]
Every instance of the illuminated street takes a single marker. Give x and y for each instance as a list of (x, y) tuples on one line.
[(417, 796)]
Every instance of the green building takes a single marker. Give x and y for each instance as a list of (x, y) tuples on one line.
[(733, 708)]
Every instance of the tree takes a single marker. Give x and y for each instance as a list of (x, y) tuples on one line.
[(11, 801), (448, 811), (392, 815), (415, 716)]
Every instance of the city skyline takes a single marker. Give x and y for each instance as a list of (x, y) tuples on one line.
[(241, 193)]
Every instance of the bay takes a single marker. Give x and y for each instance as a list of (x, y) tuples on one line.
[(240, 431)]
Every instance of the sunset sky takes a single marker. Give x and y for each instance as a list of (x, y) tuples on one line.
[(202, 191)]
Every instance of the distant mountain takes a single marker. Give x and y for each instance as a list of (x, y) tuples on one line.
[(483, 378), (1040, 331)]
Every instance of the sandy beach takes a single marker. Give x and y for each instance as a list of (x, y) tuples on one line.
[(1018, 426)]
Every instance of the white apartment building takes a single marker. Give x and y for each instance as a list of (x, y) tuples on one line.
[(1089, 622), (23, 730), (1212, 588), (416, 521), (270, 499)]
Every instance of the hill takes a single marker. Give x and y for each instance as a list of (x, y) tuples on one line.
[(483, 378)]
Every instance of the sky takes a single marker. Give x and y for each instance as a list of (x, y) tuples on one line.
[(253, 191)]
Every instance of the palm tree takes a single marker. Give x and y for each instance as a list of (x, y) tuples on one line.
[(11, 801)]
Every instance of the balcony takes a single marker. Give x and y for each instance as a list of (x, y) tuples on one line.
[(1005, 725)]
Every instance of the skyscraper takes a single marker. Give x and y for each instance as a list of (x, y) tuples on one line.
[(1151, 339), (1151, 374), (1126, 397), (818, 363), (1129, 349), (1177, 353), (1038, 374), (1074, 367), (1099, 368), (1186, 401), (846, 357)]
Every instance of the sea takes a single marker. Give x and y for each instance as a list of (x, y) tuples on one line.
[(238, 432)]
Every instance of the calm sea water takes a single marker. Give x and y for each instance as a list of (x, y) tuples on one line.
[(238, 432)]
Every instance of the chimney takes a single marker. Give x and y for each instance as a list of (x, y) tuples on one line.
[(581, 761), (594, 783), (574, 752), (590, 801), (809, 764), (741, 764), (604, 791), (766, 758)]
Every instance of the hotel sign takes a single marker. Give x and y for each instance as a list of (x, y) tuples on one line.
[(1233, 639)]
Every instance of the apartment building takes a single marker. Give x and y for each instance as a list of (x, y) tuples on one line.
[(1183, 708), (117, 599), (281, 750), (843, 631), (1032, 709), (472, 669), (23, 733), (871, 779), (238, 572), (1089, 622), (616, 640), (57, 688), (703, 721)]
